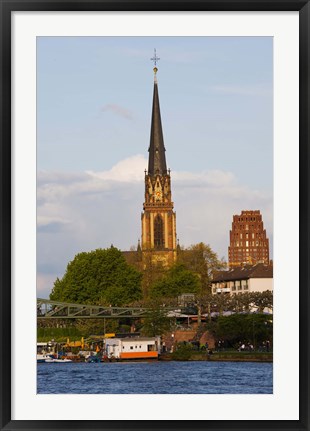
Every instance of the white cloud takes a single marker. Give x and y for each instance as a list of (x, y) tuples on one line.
[(56, 186), (118, 110), (128, 170), (96, 209)]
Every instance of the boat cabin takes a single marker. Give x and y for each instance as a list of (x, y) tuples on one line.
[(132, 348)]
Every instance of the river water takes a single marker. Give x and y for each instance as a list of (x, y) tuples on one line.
[(201, 377)]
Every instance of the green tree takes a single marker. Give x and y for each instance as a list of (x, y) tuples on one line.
[(202, 260), (89, 327), (248, 328), (176, 280), (183, 352), (263, 300), (152, 272), (101, 277), (157, 322), (206, 303)]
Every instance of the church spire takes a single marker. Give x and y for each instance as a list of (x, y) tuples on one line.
[(157, 158), (158, 220)]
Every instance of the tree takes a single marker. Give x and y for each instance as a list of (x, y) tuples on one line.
[(176, 280), (263, 300), (248, 328), (101, 277), (157, 322), (152, 272), (89, 327), (205, 302), (202, 260)]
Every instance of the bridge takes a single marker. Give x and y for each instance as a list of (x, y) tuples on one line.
[(47, 309)]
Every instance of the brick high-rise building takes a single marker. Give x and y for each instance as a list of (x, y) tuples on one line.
[(158, 218), (248, 241)]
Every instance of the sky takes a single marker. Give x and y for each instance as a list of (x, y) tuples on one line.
[(94, 101)]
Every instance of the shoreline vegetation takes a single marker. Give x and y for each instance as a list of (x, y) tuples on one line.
[(188, 354), (229, 356), (182, 345)]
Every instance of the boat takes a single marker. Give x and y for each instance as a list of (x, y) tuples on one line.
[(43, 352), (42, 357), (57, 360), (132, 348), (46, 353)]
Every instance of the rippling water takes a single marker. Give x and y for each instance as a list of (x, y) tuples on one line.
[(155, 378)]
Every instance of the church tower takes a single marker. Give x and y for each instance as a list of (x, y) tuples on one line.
[(158, 218)]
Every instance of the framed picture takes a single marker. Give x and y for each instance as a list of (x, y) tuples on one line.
[(74, 33)]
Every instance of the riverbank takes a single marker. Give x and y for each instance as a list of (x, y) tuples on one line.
[(222, 356)]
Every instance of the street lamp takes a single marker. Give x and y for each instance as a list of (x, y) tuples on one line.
[(253, 329)]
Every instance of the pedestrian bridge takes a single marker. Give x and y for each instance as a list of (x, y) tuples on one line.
[(47, 309)]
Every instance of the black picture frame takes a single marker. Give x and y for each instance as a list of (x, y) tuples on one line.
[(9, 6)]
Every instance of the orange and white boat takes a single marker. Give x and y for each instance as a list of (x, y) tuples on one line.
[(132, 348)]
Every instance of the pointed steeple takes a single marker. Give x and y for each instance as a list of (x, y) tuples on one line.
[(158, 220), (157, 158)]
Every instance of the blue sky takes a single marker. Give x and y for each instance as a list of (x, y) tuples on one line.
[(94, 98)]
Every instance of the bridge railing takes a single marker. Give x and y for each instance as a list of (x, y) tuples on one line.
[(47, 309)]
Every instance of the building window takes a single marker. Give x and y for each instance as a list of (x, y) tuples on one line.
[(158, 232)]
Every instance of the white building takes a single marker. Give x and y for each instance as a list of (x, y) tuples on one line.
[(256, 278), (133, 348)]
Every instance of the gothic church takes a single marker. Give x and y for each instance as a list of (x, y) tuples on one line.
[(158, 218)]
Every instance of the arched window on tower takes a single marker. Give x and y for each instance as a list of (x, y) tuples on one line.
[(159, 232)]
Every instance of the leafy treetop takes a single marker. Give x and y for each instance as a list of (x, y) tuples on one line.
[(201, 260), (176, 280), (101, 276)]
